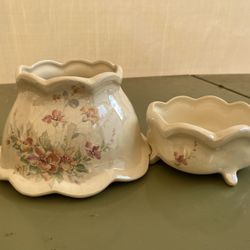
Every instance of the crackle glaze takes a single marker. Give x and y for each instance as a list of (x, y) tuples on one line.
[(72, 130), (201, 136)]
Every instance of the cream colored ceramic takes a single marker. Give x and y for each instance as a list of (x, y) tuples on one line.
[(72, 130), (201, 136)]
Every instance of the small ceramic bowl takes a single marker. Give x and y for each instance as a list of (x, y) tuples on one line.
[(201, 136)]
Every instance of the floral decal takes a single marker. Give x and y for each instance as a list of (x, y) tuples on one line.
[(55, 118), (182, 159), (93, 151), (56, 97), (89, 114), (70, 98), (60, 157), (40, 158)]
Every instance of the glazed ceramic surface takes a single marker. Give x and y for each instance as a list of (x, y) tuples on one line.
[(72, 130), (201, 136)]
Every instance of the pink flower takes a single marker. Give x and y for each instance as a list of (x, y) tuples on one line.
[(55, 116), (89, 114), (180, 158), (93, 151), (47, 118), (28, 141), (52, 160), (26, 145), (46, 161), (66, 162)]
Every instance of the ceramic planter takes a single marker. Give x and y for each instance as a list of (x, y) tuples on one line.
[(201, 136), (72, 130)]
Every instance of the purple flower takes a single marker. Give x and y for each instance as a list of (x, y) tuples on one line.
[(93, 151)]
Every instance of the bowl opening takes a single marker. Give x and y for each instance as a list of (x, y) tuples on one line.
[(49, 69), (208, 115)]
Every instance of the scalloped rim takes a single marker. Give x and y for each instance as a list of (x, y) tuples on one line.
[(85, 189), (24, 72), (214, 139)]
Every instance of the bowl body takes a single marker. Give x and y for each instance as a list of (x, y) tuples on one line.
[(72, 131), (201, 136)]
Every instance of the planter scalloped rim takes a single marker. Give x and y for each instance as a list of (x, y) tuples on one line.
[(201, 136), (71, 130)]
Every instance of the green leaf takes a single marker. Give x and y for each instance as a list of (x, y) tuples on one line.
[(86, 158), (16, 146), (28, 132), (77, 155), (18, 133), (33, 169), (24, 160), (65, 94), (30, 150), (81, 168), (45, 141), (59, 176), (65, 139), (13, 138), (64, 147), (105, 148), (75, 135), (73, 103)]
